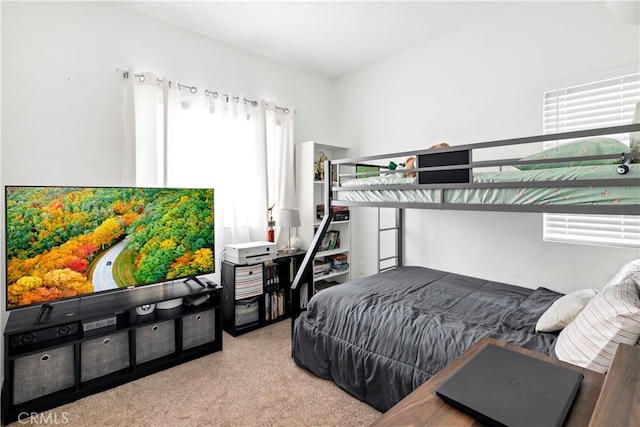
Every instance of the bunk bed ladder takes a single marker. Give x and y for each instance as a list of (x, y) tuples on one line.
[(396, 257)]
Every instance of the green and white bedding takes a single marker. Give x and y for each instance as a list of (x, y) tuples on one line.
[(357, 190)]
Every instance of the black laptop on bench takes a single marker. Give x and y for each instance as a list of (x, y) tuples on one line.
[(501, 387)]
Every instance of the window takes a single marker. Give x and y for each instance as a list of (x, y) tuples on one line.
[(604, 103), (187, 138)]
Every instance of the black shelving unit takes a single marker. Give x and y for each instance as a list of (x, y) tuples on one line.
[(242, 313), (57, 361)]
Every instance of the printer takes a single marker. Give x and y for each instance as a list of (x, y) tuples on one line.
[(250, 252)]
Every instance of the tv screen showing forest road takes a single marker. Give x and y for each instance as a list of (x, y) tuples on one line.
[(63, 242)]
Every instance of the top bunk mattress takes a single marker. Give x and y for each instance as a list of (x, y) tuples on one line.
[(397, 189)]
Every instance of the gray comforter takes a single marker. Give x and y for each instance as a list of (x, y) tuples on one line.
[(382, 336)]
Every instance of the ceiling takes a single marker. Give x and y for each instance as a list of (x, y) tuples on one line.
[(328, 38)]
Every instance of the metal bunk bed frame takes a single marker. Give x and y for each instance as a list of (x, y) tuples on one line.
[(304, 274)]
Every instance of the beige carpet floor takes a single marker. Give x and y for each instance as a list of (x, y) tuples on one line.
[(253, 381)]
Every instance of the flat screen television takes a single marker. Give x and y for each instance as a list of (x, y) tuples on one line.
[(68, 242)]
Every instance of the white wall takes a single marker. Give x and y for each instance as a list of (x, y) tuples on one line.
[(62, 99), (483, 83)]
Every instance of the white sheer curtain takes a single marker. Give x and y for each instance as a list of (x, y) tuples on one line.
[(184, 138), (221, 144), (143, 161), (281, 165)]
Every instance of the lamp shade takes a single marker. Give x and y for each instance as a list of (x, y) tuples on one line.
[(289, 218)]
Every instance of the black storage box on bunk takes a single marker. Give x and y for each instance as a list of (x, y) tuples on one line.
[(454, 176)]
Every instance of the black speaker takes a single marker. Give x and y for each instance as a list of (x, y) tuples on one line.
[(42, 335)]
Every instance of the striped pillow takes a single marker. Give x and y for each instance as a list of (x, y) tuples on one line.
[(610, 318), (630, 268)]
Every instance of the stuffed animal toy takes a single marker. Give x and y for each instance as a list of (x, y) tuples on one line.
[(441, 145), (411, 161), (399, 167), (393, 165)]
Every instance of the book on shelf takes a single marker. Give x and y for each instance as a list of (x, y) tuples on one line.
[(304, 297), (323, 284), (271, 276), (330, 263), (321, 267), (330, 240), (340, 213), (324, 244), (337, 259), (274, 306), (279, 297), (339, 262), (334, 239)]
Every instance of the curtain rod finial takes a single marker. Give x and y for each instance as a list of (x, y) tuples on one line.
[(125, 73)]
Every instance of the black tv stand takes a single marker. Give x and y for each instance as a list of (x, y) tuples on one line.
[(90, 344), (43, 310)]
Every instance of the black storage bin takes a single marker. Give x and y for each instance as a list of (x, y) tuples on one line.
[(42, 373), (198, 328), (103, 355), (155, 341), (247, 312)]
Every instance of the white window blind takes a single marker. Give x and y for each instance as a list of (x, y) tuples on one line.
[(604, 103)]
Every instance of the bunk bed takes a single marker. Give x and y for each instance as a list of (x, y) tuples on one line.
[(380, 337), (542, 182)]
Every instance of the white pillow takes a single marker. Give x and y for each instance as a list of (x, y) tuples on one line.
[(564, 310), (631, 268), (610, 318)]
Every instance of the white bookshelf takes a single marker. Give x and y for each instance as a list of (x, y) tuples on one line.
[(310, 194)]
